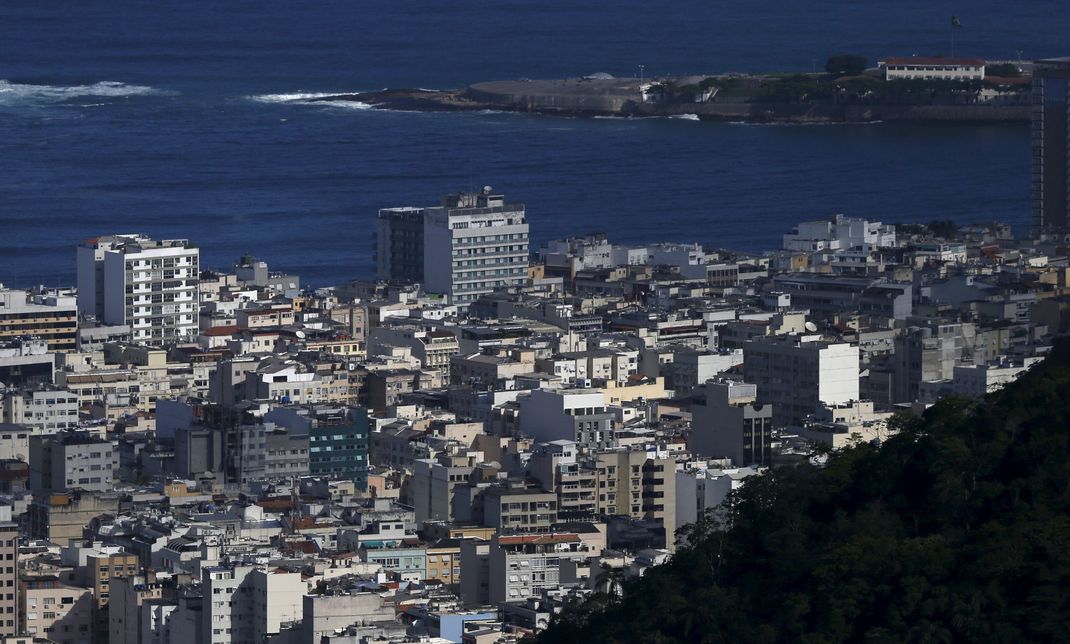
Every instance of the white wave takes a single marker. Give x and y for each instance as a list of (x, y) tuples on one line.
[(685, 117), (22, 93), (349, 105), (291, 98)]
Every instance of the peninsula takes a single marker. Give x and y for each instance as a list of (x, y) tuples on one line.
[(899, 89)]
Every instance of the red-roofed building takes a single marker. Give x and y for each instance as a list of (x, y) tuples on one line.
[(932, 68)]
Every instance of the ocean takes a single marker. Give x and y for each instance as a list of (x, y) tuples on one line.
[(180, 120)]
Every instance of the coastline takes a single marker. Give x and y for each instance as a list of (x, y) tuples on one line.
[(621, 98)]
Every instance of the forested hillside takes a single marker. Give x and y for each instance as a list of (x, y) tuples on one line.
[(958, 529)]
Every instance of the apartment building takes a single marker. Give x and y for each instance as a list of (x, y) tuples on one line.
[(100, 569), (129, 597), (433, 348), (640, 485), (72, 460), (727, 422), (519, 509), (524, 565), (557, 468), (337, 438), (150, 285), (474, 243), (51, 609), (795, 373), (9, 577), (1051, 146), (45, 410), (579, 415), (444, 561), (244, 605), (50, 317), (434, 481), (399, 244)]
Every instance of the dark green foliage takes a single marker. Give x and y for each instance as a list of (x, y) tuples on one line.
[(846, 65), (957, 529), (943, 228), (1006, 70)]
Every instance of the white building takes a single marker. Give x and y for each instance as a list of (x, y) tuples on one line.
[(150, 285), (839, 426), (974, 381), (244, 605), (473, 244), (796, 373), (932, 68), (839, 233), (579, 415), (523, 565), (47, 411), (698, 490)]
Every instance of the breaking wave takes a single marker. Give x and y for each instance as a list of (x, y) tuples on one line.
[(27, 94)]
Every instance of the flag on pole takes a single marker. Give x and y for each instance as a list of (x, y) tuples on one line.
[(955, 22)]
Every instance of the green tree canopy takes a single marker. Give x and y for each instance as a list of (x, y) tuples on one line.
[(846, 65), (957, 529)]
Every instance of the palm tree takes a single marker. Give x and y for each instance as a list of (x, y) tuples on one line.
[(612, 579)]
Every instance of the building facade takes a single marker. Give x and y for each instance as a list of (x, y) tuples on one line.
[(52, 318), (150, 285), (399, 244), (796, 373), (1051, 145), (928, 68), (473, 244), (731, 424)]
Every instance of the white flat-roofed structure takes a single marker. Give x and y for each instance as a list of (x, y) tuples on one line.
[(932, 68), (150, 285), (473, 244), (839, 233), (579, 415), (796, 373)]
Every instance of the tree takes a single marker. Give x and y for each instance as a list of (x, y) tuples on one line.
[(955, 529), (1006, 70), (944, 228), (846, 65)]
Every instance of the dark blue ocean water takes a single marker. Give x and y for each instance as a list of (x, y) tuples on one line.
[(168, 118)]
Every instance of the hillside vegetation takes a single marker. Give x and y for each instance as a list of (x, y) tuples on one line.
[(955, 530)]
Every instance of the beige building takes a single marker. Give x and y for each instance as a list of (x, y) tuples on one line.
[(519, 509), (61, 517), (100, 570), (556, 467), (53, 610), (53, 318), (127, 595), (630, 483), (444, 562)]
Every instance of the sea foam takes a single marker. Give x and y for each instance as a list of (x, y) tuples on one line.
[(27, 94), (290, 98)]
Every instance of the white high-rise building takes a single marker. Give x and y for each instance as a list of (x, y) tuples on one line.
[(796, 373), (150, 285), (244, 604), (473, 244)]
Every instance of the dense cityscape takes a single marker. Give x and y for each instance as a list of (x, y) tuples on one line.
[(491, 441)]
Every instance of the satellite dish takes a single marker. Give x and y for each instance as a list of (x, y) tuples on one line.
[(486, 190), (810, 326)]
